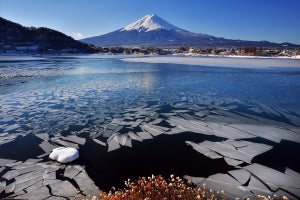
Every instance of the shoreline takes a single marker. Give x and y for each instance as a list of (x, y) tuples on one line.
[(147, 55), (217, 61)]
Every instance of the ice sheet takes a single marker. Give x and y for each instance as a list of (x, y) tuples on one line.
[(99, 142), (189, 125), (113, 144), (271, 176), (86, 184), (154, 131), (63, 188), (240, 175), (217, 61), (75, 139), (258, 187), (41, 193), (232, 162), (46, 146), (144, 135), (223, 178), (233, 156), (135, 137)]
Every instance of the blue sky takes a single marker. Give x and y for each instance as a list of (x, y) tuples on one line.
[(273, 20)]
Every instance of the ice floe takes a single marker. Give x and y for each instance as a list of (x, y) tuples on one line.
[(292, 173), (232, 162), (271, 133), (75, 139), (60, 142), (46, 146), (144, 135), (233, 155), (232, 191), (135, 137), (251, 180), (42, 180), (99, 142), (241, 175), (63, 188), (189, 125), (113, 144), (85, 184), (154, 131), (271, 176), (258, 187)]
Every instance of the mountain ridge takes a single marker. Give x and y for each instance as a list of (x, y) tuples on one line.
[(151, 30), (16, 38)]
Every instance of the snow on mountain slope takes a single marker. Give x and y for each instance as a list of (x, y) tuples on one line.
[(152, 30), (149, 23)]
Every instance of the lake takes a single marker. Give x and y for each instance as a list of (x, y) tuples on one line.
[(131, 119)]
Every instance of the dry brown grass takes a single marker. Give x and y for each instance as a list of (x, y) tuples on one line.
[(173, 188), (158, 188)]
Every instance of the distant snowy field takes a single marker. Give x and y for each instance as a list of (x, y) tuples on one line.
[(238, 62)]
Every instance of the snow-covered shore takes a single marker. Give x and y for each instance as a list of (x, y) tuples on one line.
[(237, 62)]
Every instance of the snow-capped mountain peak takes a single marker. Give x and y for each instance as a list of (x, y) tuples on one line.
[(149, 23), (152, 30)]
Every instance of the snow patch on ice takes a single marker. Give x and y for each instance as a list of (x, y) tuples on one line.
[(64, 154)]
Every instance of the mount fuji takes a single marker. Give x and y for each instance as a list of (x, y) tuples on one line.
[(151, 30), (150, 23)]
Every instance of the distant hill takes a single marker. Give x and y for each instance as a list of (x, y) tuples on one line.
[(15, 38), (153, 30)]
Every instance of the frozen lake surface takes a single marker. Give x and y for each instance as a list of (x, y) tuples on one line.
[(234, 128)]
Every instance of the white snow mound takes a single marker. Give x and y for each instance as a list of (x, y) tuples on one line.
[(64, 154)]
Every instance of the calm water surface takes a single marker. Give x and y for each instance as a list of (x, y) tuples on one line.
[(108, 77)]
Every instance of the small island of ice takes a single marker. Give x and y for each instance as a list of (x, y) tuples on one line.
[(64, 154)]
